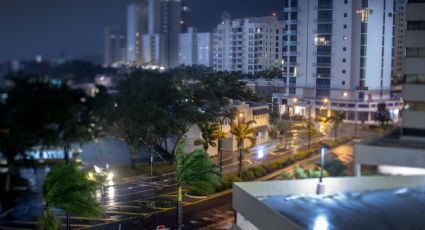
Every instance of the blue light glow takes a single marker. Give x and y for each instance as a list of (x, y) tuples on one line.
[(260, 153), (321, 223)]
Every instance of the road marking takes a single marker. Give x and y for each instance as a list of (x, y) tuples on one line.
[(12, 228), (24, 222), (88, 218), (126, 213), (249, 161)]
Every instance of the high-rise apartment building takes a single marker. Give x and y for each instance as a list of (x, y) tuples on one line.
[(184, 22), (115, 46), (413, 122), (170, 27), (249, 45), (403, 152), (399, 37), (195, 48), (137, 24), (159, 23), (337, 56)]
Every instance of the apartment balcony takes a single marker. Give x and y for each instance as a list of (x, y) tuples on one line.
[(315, 75), (290, 32), (413, 92), (291, 9), (291, 21), (315, 53), (322, 64), (291, 43), (323, 20), (291, 53), (292, 63)]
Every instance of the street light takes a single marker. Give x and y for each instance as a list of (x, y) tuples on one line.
[(240, 118), (320, 185), (325, 100)]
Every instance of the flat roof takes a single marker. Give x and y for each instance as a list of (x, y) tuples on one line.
[(373, 202), (402, 208), (396, 140)]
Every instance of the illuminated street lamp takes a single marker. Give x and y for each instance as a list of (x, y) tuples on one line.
[(325, 100), (240, 117), (320, 186)]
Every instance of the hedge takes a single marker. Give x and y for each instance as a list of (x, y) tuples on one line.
[(260, 171)]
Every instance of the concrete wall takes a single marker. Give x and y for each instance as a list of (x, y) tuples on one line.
[(396, 156)]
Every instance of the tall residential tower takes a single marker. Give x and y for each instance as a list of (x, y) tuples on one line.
[(337, 55), (249, 45), (137, 24)]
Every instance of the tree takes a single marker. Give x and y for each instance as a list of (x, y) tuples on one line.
[(243, 131), (210, 133), (68, 188), (194, 170), (225, 114), (336, 119), (382, 114)]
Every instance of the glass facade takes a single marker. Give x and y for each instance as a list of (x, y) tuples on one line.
[(323, 42)]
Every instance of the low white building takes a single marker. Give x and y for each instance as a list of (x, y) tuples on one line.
[(245, 112)]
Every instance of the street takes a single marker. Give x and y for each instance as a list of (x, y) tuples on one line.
[(137, 197)]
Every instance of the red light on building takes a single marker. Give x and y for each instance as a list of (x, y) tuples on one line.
[(274, 14)]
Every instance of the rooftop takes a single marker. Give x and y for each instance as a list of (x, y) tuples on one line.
[(376, 202), (395, 140), (401, 208)]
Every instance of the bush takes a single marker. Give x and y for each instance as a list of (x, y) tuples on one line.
[(343, 140), (248, 175), (330, 143), (302, 155), (259, 171), (228, 181), (271, 167)]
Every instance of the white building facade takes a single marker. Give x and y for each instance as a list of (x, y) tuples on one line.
[(399, 37), (413, 122), (337, 55), (195, 48), (137, 24), (249, 45)]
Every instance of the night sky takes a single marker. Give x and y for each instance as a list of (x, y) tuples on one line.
[(76, 27)]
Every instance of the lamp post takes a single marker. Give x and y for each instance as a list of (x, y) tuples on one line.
[(240, 145), (320, 185), (309, 125)]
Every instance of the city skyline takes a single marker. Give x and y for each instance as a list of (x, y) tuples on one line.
[(48, 28)]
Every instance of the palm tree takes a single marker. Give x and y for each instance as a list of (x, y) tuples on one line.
[(210, 133), (336, 118), (225, 114), (68, 188), (194, 170), (243, 131)]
